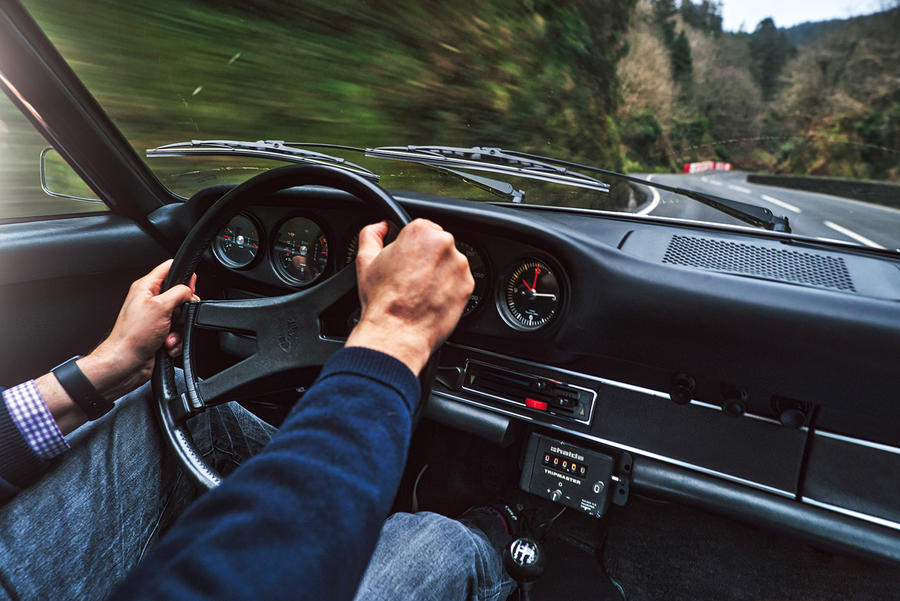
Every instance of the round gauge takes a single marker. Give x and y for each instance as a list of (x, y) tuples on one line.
[(352, 249), (237, 244), (479, 274), (531, 296), (300, 251)]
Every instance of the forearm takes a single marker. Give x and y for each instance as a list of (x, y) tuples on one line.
[(110, 380), (300, 519)]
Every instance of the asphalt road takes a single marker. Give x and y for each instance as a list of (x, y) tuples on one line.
[(810, 214)]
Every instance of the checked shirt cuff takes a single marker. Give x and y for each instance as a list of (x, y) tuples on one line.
[(34, 420)]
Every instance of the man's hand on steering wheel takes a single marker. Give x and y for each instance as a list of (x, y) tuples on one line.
[(412, 291), (125, 359)]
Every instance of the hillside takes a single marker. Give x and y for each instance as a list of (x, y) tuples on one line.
[(818, 98)]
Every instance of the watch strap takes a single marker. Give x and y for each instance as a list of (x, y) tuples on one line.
[(80, 389)]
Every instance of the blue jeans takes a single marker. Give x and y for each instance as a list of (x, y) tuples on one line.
[(79, 530), (429, 557)]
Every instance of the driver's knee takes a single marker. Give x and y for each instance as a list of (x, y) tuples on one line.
[(227, 435), (430, 556)]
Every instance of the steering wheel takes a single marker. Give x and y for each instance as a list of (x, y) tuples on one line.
[(287, 328)]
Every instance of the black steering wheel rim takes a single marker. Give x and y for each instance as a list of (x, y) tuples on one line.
[(173, 408)]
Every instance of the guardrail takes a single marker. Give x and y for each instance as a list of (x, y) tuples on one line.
[(875, 192), (701, 166)]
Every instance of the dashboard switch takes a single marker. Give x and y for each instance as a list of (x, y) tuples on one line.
[(536, 404)]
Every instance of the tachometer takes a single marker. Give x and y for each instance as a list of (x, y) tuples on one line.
[(531, 296), (300, 251), (237, 244)]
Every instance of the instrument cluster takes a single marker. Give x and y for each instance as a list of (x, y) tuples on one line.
[(526, 292)]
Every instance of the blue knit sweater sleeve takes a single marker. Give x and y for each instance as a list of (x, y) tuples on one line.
[(301, 519), (20, 465)]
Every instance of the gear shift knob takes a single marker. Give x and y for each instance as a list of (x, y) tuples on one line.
[(523, 559)]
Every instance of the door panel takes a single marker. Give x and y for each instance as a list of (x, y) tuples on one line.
[(62, 282)]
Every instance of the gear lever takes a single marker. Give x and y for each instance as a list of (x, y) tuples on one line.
[(523, 559)]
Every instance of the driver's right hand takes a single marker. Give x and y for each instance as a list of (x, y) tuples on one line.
[(412, 291)]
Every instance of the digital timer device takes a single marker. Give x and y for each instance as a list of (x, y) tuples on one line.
[(568, 474)]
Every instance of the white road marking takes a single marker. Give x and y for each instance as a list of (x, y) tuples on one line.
[(781, 203), (715, 183), (739, 188), (851, 234), (704, 179), (653, 203)]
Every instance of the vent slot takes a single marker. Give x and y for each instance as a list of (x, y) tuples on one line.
[(784, 265)]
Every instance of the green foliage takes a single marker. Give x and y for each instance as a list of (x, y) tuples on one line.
[(682, 63), (690, 133), (770, 49), (678, 46), (643, 135), (663, 9), (705, 15), (642, 129), (879, 132)]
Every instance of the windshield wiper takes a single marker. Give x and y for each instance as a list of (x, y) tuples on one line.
[(493, 160), (545, 168), (743, 211), (264, 149), (503, 189)]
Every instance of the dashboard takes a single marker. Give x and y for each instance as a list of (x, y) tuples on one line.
[(277, 247), (758, 392)]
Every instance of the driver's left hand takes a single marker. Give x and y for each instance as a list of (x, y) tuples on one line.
[(125, 359)]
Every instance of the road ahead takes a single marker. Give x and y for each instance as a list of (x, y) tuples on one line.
[(810, 214)]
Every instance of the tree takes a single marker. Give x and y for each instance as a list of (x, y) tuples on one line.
[(682, 63), (770, 49), (705, 15), (663, 9)]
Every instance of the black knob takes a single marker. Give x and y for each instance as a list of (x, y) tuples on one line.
[(792, 418), (523, 559), (733, 407), (682, 389)]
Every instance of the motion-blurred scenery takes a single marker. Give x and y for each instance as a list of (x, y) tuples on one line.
[(640, 87)]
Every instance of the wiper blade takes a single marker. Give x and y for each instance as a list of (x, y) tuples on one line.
[(493, 160), (264, 149), (743, 211)]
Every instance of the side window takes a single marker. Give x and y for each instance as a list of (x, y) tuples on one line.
[(21, 194)]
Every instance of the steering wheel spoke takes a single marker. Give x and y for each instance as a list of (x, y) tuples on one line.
[(218, 388), (331, 290), (242, 316)]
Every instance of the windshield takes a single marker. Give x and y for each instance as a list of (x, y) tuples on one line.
[(802, 120)]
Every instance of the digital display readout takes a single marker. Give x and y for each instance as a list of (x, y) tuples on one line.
[(566, 465)]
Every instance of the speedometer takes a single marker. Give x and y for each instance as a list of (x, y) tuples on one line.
[(531, 296), (300, 251)]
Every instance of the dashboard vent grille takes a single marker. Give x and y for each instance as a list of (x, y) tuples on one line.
[(771, 263)]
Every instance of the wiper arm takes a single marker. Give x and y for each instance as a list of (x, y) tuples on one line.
[(493, 160), (264, 149), (502, 189), (746, 212)]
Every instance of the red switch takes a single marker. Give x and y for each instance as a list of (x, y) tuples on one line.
[(536, 404)]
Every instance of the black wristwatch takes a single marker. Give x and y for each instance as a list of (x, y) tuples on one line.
[(77, 386)]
